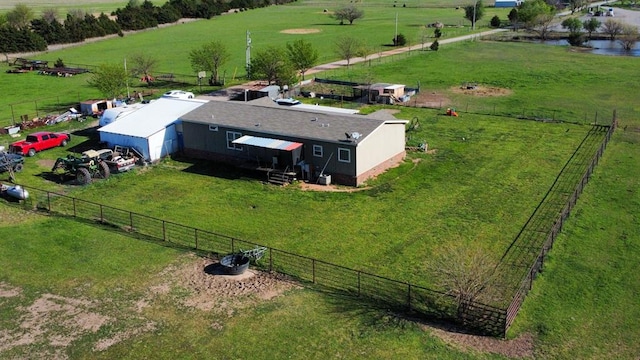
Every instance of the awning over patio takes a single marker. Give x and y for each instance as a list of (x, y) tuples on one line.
[(267, 143)]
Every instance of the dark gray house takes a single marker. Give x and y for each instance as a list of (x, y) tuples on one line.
[(310, 145)]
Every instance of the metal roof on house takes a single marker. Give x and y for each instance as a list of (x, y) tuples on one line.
[(267, 143), (153, 117), (286, 121)]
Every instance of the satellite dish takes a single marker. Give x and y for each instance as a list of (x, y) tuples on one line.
[(356, 135)]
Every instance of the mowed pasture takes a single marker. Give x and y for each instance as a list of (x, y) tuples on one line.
[(480, 184), (267, 27)]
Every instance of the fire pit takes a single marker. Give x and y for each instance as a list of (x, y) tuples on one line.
[(234, 264)]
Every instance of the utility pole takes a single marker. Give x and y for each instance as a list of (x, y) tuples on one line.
[(395, 38), (248, 55), (127, 74), (475, 5)]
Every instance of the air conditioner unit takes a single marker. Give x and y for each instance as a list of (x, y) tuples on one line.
[(324, 179)]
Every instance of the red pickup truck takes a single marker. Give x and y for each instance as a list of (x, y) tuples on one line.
[(39, 141)]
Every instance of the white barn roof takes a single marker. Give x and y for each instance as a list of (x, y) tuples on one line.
[(153, 117)]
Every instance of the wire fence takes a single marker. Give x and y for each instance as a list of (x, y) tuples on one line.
[(522, 261)]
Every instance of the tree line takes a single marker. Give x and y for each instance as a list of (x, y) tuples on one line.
[(21, 31)]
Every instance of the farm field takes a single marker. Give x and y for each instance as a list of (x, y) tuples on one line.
[(268, 27), (478, 186)]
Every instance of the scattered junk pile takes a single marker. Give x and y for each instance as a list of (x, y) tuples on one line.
[(22, 65), (84, 168), (238, 263), (15, 192), (451, 112), (95, 164)]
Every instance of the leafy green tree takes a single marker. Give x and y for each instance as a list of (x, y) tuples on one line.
[(110, 80), (273, 65), (591, 25), (302, 55), (20, 17), (513, 18), (574, 25), (347, 48), (474, 12), (529, 10), (210, 57), (349, 13), (14, 40)]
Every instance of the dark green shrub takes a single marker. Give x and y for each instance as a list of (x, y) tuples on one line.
[(399, 40), (495, 21)]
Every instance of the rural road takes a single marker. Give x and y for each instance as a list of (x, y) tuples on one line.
[(341, 63)]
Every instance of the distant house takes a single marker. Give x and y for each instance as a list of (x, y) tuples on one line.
[(315, 145), (385, 93), (507, 3), (151, 129)]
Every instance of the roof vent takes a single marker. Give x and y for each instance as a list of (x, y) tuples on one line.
[(314, 119)]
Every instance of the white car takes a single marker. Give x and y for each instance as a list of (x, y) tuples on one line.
[(178, 94), (287, 102)]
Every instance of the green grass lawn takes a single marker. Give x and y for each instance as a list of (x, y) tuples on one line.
[(31, 94), (477, 191)]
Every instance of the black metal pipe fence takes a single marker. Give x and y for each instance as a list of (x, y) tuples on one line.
[(551, 234), (398, 295), (384, 292)]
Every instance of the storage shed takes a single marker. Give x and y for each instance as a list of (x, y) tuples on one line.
[(151, 129), (385, 93), (95, 107)]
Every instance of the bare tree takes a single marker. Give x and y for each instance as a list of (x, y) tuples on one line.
[(50, 15), (628, 37), (542, 25), (466, 273), (143, 65), (612, 28), (348, 47), (349, 13)]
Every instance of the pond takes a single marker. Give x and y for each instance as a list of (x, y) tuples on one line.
[(602, 47)]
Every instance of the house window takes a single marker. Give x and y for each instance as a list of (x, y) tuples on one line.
[(344, 155), (232, 135), (317, 150)]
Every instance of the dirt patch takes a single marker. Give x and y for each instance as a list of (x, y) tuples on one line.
[(519, 348), (51, 323), (210, 290), (430, 99), (46, 163), (7, 291), (300, 31), (482, 91)]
